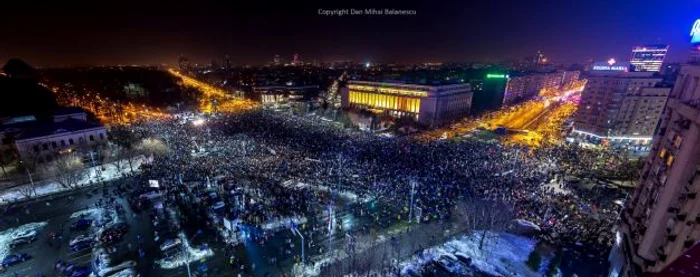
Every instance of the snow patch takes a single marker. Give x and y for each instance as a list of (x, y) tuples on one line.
[(6, 236)]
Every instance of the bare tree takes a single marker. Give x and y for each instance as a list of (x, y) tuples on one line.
[(117, 156), (28, 190), (484, 216), (67, 171), (152, 147)]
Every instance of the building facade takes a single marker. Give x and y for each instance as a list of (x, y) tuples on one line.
[(662, 219), (43, 142), (648, 57), (426, 104), (620, 107), (521, 88)]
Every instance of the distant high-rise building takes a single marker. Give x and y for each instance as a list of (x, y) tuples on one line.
[(227, 63), (295, 59), (648, 57), (520, 88), (184, 63), (661, 221), (276, 60)]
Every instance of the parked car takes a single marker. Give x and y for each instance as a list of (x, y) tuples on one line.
[(122, 273), (463, 258), (14, 259), (24, 234), (80, 246), (81, 238), (170, 243), (81, 225), (449, 264), (117, 268), (21, 241)]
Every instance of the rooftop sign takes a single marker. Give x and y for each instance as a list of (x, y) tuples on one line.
[(496, 76), (695, 32)]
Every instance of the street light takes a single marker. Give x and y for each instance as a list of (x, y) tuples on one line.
[(296, 232), (413, 191)]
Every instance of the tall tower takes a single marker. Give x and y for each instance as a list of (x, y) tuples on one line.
[(295, 60), (227, 63), (276, 60), (184, 63)]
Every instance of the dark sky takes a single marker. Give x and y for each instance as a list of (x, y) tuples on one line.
[(125, 32)]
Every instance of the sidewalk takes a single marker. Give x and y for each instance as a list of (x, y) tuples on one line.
[(48, 187)]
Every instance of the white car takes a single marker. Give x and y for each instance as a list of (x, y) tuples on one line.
[(24, 234), (123, 273), (81, 238), (169, 244), (110, 271)]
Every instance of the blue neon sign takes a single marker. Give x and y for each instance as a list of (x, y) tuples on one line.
[(695, 32)]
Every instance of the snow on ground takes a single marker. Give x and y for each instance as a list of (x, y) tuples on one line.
[(101, 217), (189, 255), (6, 236), (91, 177), (351, 196), (504, 255), (284, 222)]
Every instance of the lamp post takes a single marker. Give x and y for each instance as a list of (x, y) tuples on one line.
[(413, 191), (296, 232)]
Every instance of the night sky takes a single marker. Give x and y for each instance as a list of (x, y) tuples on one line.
[(125, 32)]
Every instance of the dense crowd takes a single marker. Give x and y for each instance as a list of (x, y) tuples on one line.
[(266, 148)]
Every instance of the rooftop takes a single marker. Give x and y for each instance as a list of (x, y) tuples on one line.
[(51, 128)]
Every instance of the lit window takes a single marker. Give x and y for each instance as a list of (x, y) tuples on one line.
[(669, 161), (662, 153)]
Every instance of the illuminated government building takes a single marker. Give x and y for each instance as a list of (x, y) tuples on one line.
[(427, 104)]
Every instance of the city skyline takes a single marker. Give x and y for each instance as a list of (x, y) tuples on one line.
[(124, 33)]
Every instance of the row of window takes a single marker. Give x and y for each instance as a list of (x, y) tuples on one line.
[(54, 144)]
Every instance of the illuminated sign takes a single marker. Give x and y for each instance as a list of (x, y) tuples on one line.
[(496, 76), (610, 68), (695, 32), (610, 65)]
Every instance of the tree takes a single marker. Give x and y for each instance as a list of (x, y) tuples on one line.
[(28, 190), (152, 147), (67, 171), (117, 156), (486, 216)]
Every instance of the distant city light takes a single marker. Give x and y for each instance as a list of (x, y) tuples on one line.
[(496, 76), (367, 64), (611, 61)]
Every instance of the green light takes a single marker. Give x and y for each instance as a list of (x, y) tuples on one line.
[(496, 76)]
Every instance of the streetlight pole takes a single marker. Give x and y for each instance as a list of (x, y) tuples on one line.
[(303, 258), (410, 210)]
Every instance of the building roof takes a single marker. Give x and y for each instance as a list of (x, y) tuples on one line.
[(52, 128)]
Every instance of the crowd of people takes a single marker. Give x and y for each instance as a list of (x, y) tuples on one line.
[(266, 148)]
